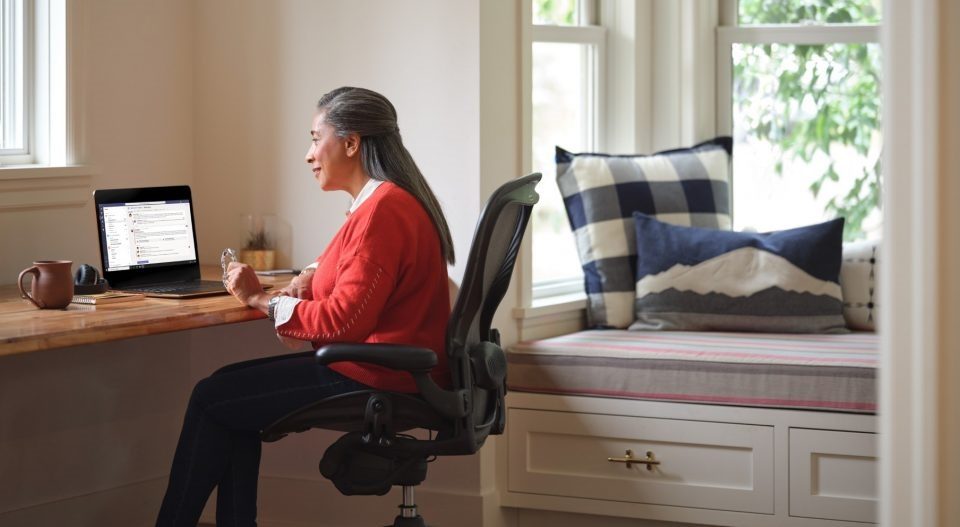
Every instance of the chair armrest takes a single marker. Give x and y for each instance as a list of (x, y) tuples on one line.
[(393, 356)]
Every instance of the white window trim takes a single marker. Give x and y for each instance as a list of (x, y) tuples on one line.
[(52, 176), (52, 89), (22, 155), (558, 292), (643, 109)]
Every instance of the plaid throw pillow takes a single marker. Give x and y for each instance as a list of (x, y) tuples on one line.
[(686, 186)]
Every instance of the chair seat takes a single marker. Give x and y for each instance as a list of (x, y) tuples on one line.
[(345, 413)]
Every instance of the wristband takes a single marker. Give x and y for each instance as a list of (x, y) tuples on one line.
[(272, 307)]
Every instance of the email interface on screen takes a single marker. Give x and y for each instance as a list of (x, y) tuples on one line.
[(137, 235)]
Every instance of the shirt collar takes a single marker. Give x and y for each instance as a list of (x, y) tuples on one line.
[(365, 193)]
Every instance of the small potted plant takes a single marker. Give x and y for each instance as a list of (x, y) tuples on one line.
[(257, 251)]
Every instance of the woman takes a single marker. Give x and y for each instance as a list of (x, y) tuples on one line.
[(382, 278)]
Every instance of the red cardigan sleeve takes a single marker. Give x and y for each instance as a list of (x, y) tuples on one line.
[(350, 312)]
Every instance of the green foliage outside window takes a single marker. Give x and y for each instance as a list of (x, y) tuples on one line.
[(805, 11), (824, 96), (555, 12)]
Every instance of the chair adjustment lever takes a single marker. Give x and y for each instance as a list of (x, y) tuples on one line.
[(378, 420)]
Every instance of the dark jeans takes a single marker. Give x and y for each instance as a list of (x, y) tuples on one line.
[(220, 444)]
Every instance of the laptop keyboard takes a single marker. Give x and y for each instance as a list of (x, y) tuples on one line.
[(203, 286)]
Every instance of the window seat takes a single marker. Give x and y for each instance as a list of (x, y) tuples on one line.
[(818, 372), (704, 428)]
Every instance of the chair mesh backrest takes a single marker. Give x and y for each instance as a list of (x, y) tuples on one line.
[(493, 254)]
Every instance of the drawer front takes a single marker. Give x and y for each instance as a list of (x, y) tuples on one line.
[(702, 464), (833, 475)]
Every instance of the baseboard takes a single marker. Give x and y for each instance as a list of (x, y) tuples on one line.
[(132, 505)]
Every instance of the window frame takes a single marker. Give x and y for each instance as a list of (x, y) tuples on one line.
[(729, 32), (24, 154), (594, 37), (50, 46)]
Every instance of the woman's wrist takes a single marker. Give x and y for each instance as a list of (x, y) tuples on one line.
[(260, 301)]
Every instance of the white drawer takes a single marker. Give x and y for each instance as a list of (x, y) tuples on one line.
[(702, 464), (833, 475)]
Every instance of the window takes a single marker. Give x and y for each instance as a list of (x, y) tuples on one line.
[(564, 57), (14, 131), (33, 82), (799, 90)]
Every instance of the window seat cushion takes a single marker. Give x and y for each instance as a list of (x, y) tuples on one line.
[(822, 372)]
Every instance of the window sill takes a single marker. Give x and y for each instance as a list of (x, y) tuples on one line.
[(42, 171), (40, 186), (551, 316), (552, 305)]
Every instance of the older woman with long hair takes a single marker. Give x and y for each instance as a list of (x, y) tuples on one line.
[(382, 278)]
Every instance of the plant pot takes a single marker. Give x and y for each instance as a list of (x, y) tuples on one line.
[(260, 260)]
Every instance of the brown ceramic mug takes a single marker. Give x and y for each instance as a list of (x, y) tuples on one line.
[(52, 286)]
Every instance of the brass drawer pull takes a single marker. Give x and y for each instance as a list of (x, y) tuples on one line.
[(649, 461)]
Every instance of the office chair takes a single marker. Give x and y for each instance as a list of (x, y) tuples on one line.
[(374, 454)]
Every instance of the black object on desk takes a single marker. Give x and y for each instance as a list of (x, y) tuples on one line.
[(87, 281)]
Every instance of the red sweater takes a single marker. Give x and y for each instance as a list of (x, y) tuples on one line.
[(381, 279)]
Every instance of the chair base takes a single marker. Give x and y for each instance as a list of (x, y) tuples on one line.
[(416, 521)]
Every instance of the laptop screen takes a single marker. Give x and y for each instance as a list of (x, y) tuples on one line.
[(137, 235), (147, 235)]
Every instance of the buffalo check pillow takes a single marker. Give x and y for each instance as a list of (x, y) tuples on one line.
[(685, 186)]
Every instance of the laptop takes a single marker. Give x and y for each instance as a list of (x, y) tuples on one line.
[(148, 242)]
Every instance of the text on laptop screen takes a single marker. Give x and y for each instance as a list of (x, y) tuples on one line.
[(147, 233)]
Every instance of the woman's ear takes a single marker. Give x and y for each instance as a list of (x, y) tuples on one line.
[(352, 144)]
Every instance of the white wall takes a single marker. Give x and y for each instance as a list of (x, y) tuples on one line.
[(135, 106), (260, 69), (219, 94)]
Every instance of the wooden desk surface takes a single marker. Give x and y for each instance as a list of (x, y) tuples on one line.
[(24, 328)]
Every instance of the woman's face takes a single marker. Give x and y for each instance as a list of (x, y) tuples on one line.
[(333, 159)]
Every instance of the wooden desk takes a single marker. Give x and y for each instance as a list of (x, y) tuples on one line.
[(24, 328)]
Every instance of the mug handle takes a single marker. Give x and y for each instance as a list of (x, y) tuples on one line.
[(35, 271)]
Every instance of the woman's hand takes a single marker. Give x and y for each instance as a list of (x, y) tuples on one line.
[(242, 283), (300, 286)]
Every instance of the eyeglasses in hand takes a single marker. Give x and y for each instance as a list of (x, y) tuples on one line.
[(227, 257)]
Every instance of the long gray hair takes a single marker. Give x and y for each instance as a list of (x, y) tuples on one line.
[(372, 117)]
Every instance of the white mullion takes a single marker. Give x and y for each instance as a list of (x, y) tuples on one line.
[(570, 34), (6, 55), (799, 34), (587, 12), (526, 141), (728, 12)]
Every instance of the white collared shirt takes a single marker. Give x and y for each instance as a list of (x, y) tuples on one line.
[(365, 193)]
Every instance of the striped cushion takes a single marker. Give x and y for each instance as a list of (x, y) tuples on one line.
[(688, 186), (828, 372)]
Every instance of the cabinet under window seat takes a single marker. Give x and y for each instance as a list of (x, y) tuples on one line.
[(704, 428)]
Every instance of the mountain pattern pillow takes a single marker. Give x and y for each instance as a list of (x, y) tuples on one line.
[(704, 279), (686, 186)]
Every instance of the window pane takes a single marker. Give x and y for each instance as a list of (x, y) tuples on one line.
[(807, 136), (805, 11), (555, 12), (560, 117), (12, 103)]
